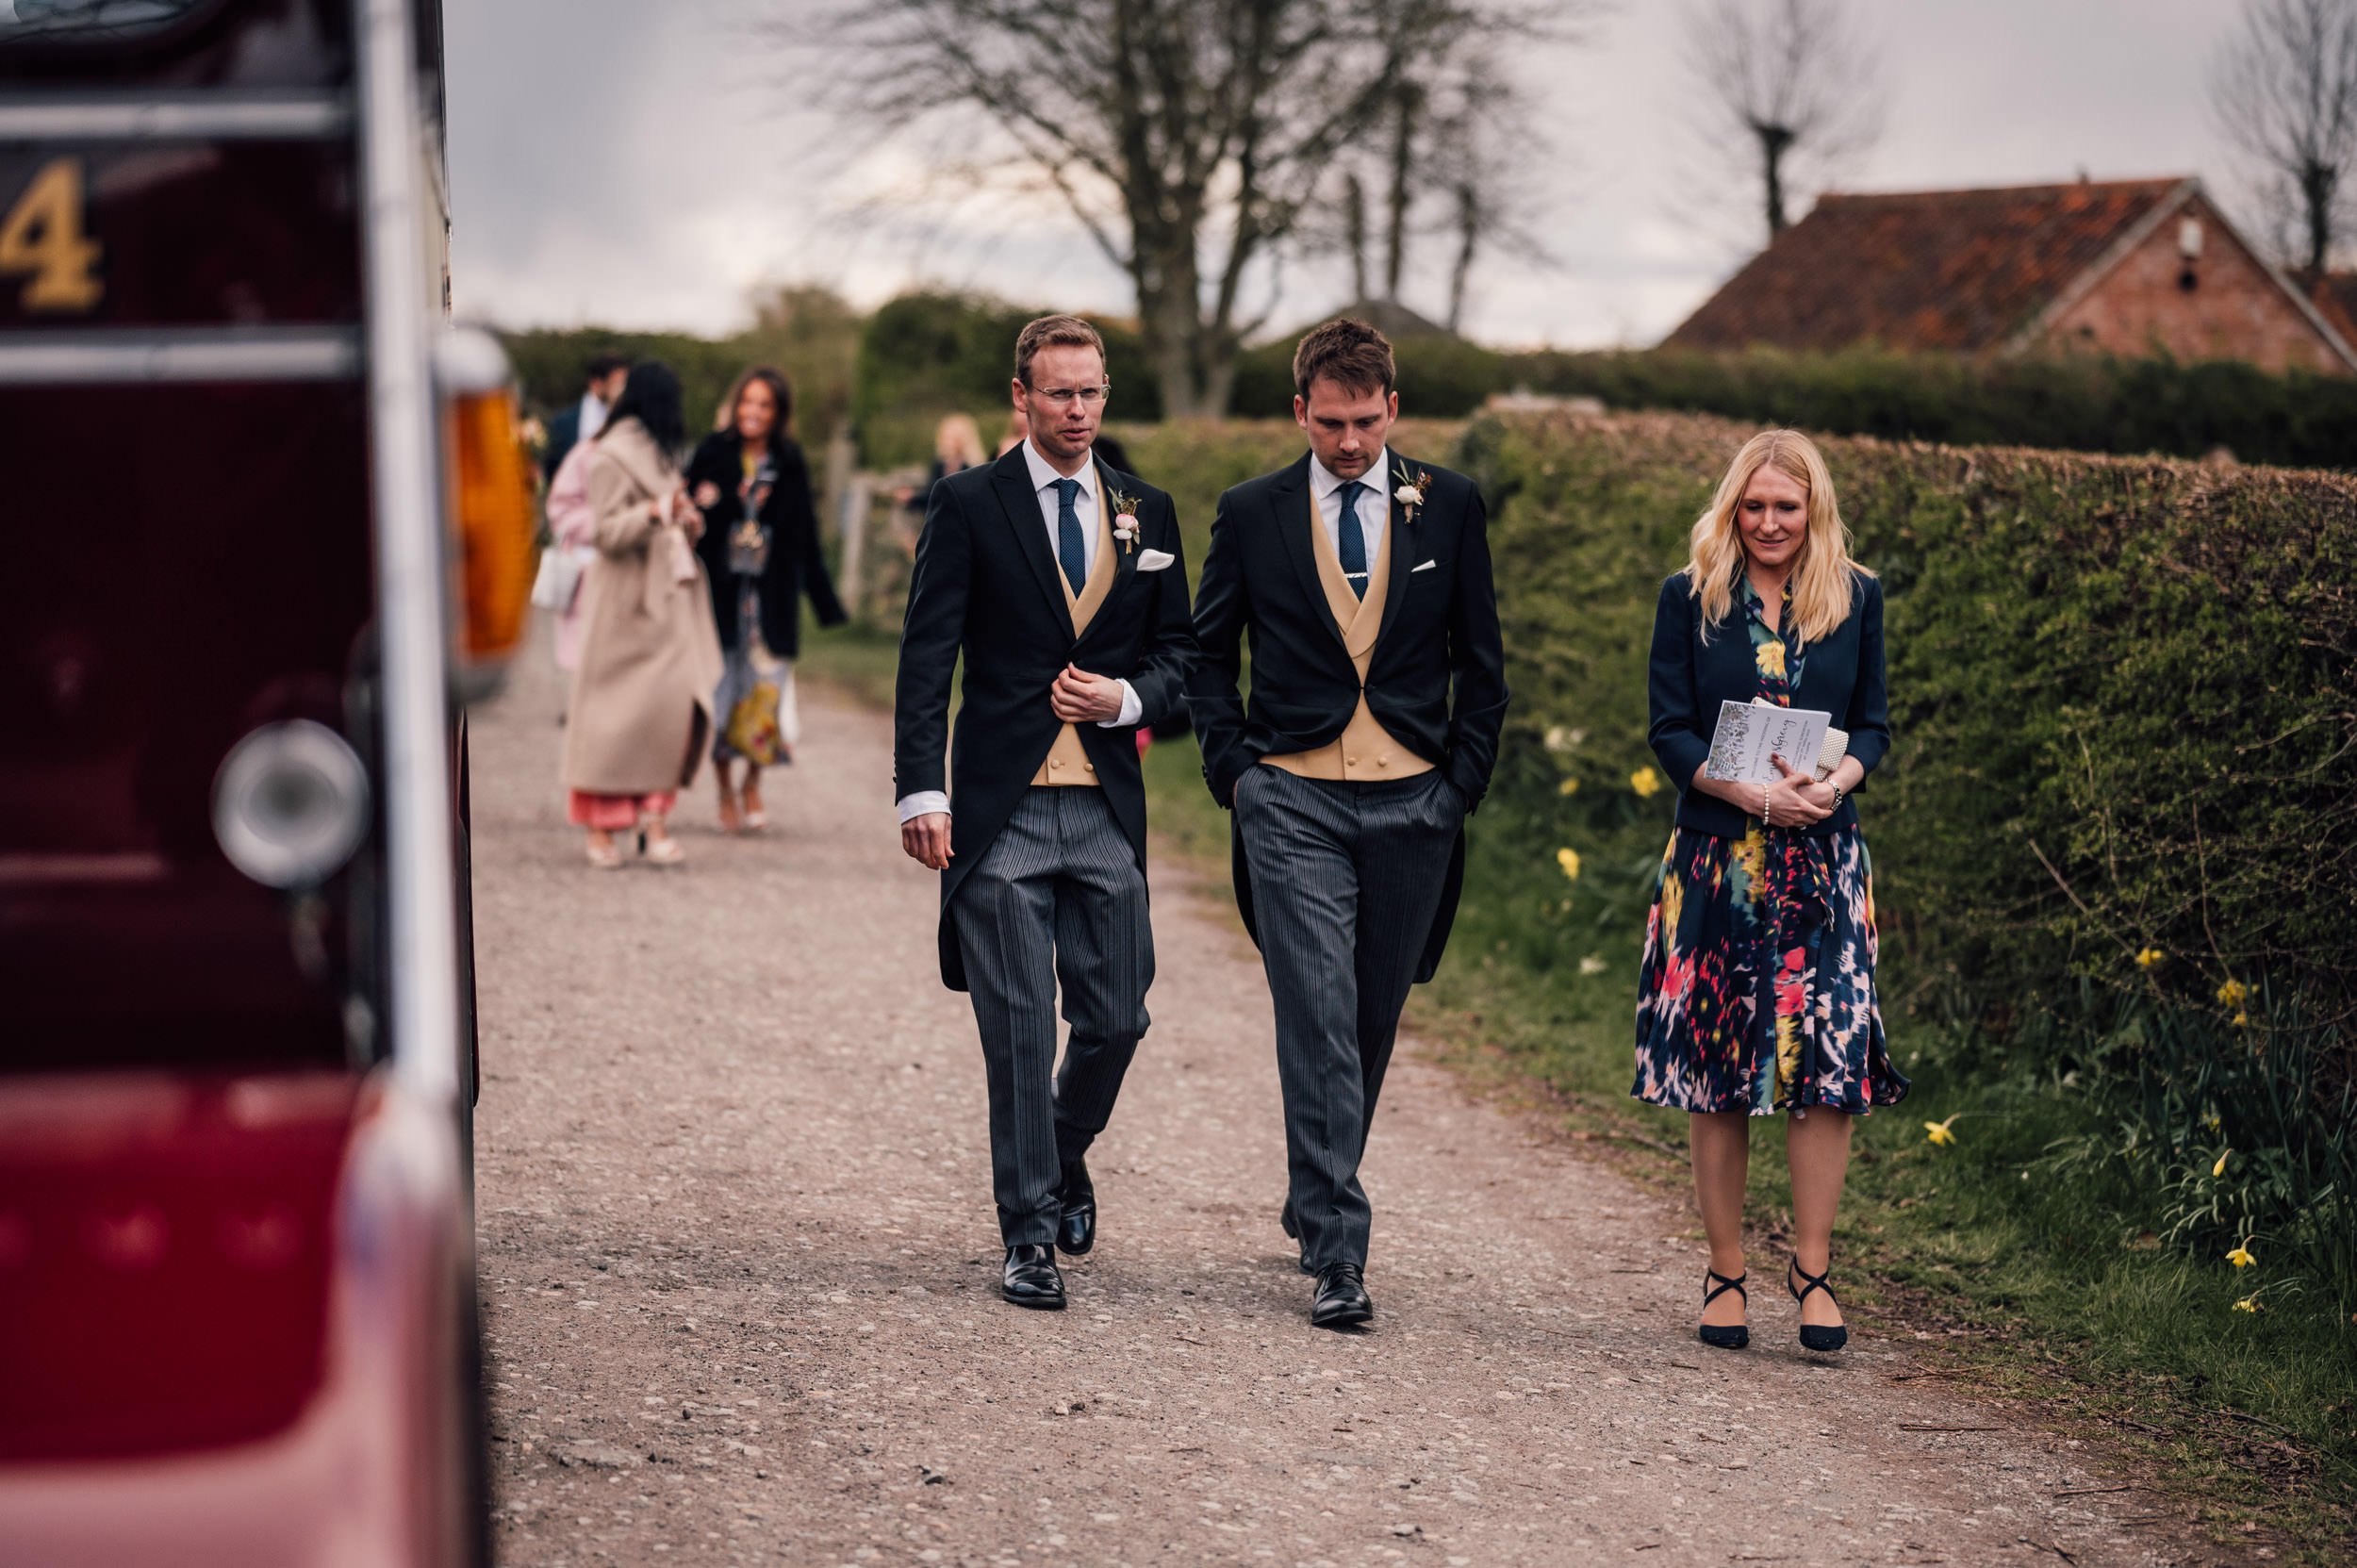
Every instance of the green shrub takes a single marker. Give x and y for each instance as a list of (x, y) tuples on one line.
[(2080, 403)]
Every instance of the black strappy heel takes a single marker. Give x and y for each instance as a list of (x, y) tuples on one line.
[(1728, 1336), (1815, 1336)]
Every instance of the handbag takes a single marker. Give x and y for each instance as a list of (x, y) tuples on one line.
[(554, 586)]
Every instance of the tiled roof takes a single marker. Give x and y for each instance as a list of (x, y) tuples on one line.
[(1961, 271)]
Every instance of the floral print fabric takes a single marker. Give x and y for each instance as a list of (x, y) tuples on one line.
[(1756, 989)]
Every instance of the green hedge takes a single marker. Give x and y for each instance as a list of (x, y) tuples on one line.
[(807, 332), (2120, 698)]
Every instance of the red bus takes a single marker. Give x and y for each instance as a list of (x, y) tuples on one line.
[(266, 524)]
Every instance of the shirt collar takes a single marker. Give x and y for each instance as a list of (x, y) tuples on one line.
[(1324, 482), (1045, 474), (1750, 594)]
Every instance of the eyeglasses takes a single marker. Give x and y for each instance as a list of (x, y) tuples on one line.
[(1062, 396)]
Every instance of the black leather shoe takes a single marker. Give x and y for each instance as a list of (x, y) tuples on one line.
[(1342, 1299), (1030, 1279), (1076, 1225), (1733, 1336), (1817, 1336)]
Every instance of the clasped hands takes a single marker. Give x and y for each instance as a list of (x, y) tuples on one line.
[(1076, 698), (1796, 799)]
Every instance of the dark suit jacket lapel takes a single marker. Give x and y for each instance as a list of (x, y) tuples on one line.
[(1400, 542), (1297, 511), (1125, 557), (1012, 479)]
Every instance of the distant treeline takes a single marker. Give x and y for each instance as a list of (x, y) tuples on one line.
[(918, 357)]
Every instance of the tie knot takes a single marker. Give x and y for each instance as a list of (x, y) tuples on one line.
[(1351, 492), (1068, 490)]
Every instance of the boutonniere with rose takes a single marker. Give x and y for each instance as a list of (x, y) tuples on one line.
[(1125, 520), (1411, 491)]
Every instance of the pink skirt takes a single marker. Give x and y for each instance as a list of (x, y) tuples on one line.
[(616, 813)]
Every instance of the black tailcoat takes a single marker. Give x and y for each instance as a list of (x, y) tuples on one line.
[(1437, 682), (986, 586)]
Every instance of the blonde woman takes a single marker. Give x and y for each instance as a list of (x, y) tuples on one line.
[(1757, 991)]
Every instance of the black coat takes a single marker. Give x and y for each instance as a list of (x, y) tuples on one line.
[(795, 565), (1437, 682), (1688, 678), (986, 586)]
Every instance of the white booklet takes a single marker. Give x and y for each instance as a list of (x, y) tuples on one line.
[(1749, 733)]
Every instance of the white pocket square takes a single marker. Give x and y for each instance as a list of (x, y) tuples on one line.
[(1154, 560), (1426, 567)]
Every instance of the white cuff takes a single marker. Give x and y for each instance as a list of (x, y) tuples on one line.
[(1130, 710), (922, 802)]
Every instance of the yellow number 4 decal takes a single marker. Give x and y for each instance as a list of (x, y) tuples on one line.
[(43, 237)]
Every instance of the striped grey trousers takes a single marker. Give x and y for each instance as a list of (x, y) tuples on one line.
[(1057, 897), (1345, 880)]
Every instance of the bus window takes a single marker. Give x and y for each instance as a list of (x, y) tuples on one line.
[(91, 19)]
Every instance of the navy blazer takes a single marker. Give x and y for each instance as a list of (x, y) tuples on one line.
[(1688, 678)]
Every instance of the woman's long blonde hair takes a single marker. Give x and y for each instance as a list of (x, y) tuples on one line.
[(1820, 577), (958, 442)]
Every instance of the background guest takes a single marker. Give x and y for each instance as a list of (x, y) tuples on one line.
[(580, 421), (761, 555), (1756, 989), (649, 661)]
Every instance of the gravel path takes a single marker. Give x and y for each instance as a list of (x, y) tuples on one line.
[(739, 1267)]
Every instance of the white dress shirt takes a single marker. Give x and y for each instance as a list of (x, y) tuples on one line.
[(1375, 503), (1043, 477), (593, 412)]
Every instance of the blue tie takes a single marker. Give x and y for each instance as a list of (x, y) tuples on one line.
[(1069, 550), (1354, 542)]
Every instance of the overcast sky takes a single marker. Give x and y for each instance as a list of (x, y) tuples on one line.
[(647, 165)]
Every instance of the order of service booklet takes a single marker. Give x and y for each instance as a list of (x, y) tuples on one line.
[(1749, 734)]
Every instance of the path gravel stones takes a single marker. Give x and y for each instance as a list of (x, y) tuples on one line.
[(739, 1269)]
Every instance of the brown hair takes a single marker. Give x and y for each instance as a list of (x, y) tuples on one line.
[(781, 393), (1348, 352), (1070, 331)]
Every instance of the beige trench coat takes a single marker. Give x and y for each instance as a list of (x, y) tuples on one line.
[(641, 710)]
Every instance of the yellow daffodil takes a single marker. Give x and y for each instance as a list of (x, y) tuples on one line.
[(1569, 786), (1940, 1132), (2247, 1304), (2149, 959), (2242, 1020), (2241, 1256), (2211, 1121), (2232, 993), (2219, 1170), (1569, 860), (1646, 783)]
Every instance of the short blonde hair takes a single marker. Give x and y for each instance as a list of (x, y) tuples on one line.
[(1820, 577)]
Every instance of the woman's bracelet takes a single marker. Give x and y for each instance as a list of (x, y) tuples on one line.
[(1763, 805)]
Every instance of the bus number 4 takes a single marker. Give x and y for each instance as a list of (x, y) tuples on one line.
[(42, 239)]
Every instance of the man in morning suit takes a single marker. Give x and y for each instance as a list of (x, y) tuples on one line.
[(1061, 582), (1379, 688)]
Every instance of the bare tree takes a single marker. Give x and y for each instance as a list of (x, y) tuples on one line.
[(1787, 88), (2285, 93), (1192, 138)]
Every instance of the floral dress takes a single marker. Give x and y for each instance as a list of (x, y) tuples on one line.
[(1756, 989)]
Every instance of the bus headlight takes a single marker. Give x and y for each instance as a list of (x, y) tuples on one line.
[(290, 805)]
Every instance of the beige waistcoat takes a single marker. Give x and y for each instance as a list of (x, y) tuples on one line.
[(1067, 761), (1365, 750)]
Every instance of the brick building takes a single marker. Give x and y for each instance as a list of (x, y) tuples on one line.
[(2134, 266)]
